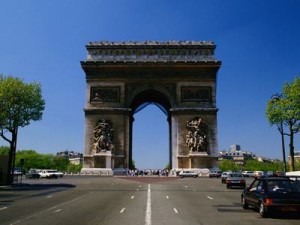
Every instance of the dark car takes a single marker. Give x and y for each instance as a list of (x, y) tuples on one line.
[(215, 173), (32, 174), (235, 179), (269, 195)]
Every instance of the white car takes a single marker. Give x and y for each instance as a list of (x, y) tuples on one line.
[(188, 173), (248, 173), (48, 174)]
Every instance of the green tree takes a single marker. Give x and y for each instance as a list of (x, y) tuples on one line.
[(284, 112), (226, 165), (4, 150), (61, 163), (20, 103)]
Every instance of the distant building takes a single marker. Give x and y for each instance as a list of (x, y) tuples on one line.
[(74, 157), (236, 154)]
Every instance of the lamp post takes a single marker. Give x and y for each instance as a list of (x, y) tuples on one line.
[(277, 97)]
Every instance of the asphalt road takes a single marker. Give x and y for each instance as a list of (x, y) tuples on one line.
[(90, 200)]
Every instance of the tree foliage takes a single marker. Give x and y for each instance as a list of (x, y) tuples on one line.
[(33, 159), (4, 150), (20, 103), (285, 109)]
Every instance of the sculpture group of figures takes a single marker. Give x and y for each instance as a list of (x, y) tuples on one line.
[(103, 134), (196, 138)]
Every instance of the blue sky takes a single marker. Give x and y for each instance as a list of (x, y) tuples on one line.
[(257, 42)]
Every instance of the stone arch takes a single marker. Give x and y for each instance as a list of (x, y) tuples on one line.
[(179, 76)]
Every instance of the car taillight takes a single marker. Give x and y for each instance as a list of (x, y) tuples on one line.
[(268, 201)]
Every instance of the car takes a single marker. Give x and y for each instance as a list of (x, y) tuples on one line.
[(188, 173), (18, 171), (215, 173), (272, 194), (224, 177), (48, 174), (258, 174), (32, 174), (235, 179), (58, 174), (248, 173)]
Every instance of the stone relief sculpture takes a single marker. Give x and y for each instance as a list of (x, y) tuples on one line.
[(103, 135), (196, 138)]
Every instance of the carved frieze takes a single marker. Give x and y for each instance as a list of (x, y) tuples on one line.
[(105, 94), (151, 50), (195, 94)]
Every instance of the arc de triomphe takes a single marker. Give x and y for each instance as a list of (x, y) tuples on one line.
[(179, 76)]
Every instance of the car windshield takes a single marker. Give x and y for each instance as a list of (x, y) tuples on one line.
[(284, 186)]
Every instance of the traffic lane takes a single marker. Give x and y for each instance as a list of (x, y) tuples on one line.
[(216, 204), (23, 200), (101, 204), (34, 197)]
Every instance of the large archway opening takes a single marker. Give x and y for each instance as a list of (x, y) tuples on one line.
[(150, 148), (150, 145)]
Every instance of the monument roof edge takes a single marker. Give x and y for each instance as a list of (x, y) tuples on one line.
[(148, 43)]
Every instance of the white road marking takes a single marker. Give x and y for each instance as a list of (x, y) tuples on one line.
[(167, 197), (18, 221), (49, 196), (210, 198), (175, 211), (186, 186), (58, 210), (122, 210), (132, 197), (3, 208), (47, 210), (148, 207)]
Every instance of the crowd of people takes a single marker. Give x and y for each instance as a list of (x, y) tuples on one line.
[(148, 172)]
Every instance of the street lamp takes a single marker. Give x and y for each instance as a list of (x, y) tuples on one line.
[(277, 97)]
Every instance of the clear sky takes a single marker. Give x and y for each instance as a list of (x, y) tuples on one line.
[(257, 41)]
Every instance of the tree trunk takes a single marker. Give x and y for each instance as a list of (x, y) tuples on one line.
[(12, 153), (292, 162)]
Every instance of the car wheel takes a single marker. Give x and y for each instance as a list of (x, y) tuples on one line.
[(262, 210), (244, 203), (228, 186)]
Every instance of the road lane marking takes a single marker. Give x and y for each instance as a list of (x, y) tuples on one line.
[(210, 198), (186, 186), (3, 208), (58, 210), (167, 197), (18, 221), (49, 196), (148, 207), (47, 210), (122, 210), (175, 211), (132, 197)]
